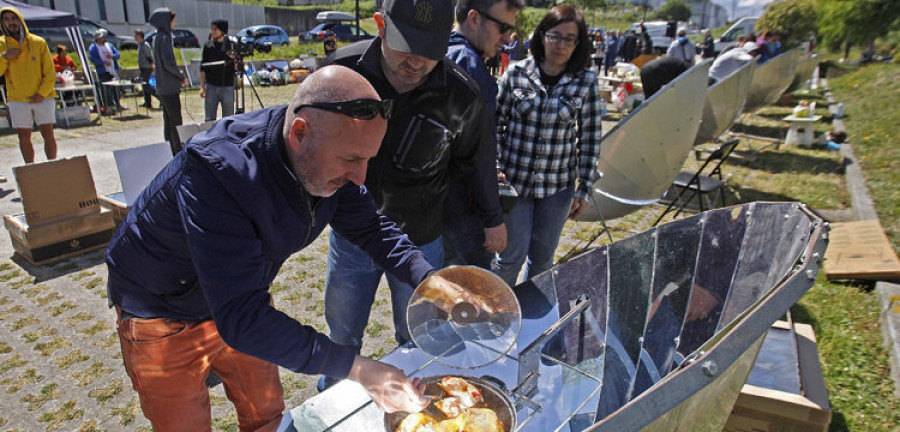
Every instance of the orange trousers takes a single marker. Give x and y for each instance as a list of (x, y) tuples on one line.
[(168, 362)]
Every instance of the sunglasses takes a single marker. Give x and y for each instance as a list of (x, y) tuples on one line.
[(362, 109), (504, 27)]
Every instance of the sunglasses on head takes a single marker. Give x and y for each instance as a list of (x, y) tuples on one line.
[(362, 109)]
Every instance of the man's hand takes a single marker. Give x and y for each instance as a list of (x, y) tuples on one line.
[(202, 91), (184, 82), (495, 238), (578, 206), (12, 53), (388, 386), (37, 98)]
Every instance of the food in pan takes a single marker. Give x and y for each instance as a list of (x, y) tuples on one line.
[(468, 394), (417, 422), (479, 420), (451, 406), (460, 409)]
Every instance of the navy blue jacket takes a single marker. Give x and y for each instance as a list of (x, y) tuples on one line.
[(459, 195), (209, 234)]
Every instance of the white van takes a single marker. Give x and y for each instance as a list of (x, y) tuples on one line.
[(743, 26), (657, 31)]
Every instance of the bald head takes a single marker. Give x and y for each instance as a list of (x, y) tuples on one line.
[(328, 84), (328, 149)]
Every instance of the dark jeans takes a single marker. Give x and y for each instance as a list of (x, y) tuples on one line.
[(109, 95), (171, 105), (464, 243), (148, 91)]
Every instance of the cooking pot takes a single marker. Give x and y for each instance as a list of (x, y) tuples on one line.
[(494, 398)]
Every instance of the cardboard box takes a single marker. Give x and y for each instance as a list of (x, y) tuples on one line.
[(53, 241), (115, 203), (55, 190), (761, 409)]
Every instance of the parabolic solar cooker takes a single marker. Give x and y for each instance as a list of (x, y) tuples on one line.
[(654, 332)]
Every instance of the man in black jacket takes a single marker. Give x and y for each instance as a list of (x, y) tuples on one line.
[(437, 135), (217, 71)]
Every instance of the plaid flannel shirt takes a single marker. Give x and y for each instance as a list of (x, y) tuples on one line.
[(547, 137)]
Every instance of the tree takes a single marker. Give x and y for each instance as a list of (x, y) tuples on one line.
[(674, 10), (856, 21), (794, 19)]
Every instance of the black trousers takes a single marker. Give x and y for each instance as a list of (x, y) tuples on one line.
[(148, 91), (171, 106)]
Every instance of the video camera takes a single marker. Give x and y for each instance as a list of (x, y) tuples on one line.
[(247, 49)]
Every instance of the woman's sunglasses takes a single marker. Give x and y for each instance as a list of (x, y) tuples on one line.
[(362, 109)]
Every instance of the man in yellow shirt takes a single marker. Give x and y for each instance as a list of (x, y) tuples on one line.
[(31, 98)]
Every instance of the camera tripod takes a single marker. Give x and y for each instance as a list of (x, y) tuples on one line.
[(239, 75)]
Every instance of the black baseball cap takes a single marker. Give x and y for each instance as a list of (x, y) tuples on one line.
[(418, 27)]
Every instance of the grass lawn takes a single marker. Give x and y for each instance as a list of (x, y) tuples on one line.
[(872, 111), (845, 316)]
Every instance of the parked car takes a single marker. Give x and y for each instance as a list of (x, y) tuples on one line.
[(342, 31), (743, 26), (87, 28), (342, 24), (181, 38), (264, 35)]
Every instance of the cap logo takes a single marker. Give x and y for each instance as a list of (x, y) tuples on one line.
[(424, 11)]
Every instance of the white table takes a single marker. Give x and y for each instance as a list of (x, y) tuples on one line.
[(120, 87), (801, 130), (76, 89)]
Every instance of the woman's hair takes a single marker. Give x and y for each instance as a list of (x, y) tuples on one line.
[(60, 48), (556, 16)]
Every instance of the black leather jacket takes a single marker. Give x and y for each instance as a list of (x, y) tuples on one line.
[(438, 133)]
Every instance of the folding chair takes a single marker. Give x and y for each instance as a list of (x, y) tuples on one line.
[(186, 131), (700, 184)]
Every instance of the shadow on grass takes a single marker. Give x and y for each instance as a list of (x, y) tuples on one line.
[(61, 268), (786, 162), (741, 195), (775, 132)]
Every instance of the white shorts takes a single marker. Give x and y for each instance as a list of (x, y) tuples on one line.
[(22, 115)]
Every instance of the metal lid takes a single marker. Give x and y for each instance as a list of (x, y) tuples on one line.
[(468, 323)]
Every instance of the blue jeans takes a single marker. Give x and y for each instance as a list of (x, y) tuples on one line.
[(464, 243), (533, 227), (350, 287), (218, 95)]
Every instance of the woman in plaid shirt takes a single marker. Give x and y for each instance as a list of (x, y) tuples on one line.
[(548, 135)]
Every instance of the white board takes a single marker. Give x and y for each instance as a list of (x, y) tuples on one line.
[(139, 165)]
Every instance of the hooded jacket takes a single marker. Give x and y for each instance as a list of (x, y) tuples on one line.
[(30, 73), (168, 75), (209, 234)]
